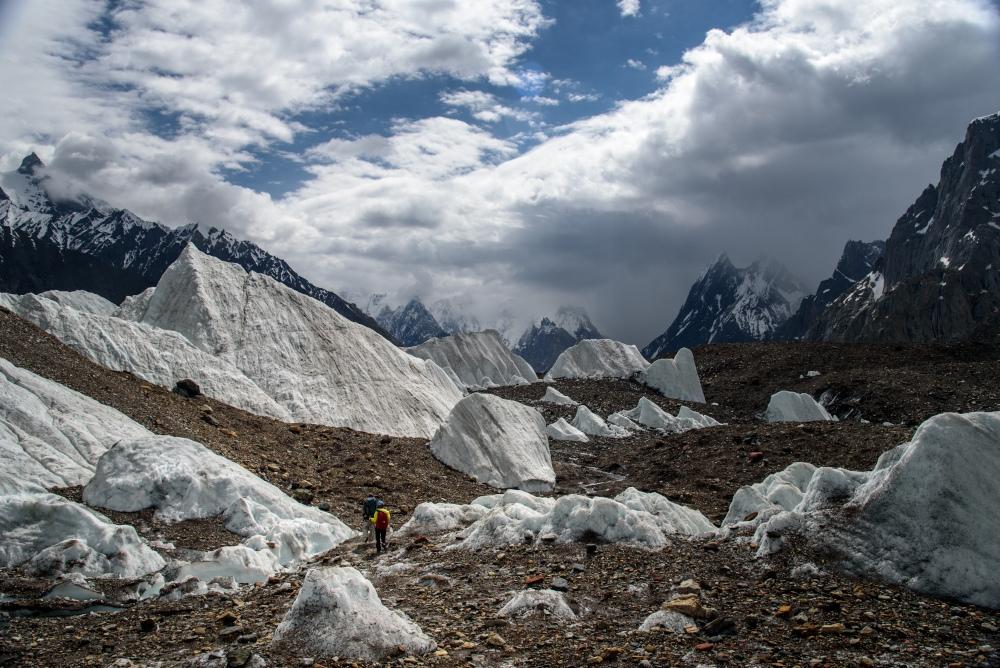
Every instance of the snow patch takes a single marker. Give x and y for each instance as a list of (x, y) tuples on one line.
[(675, 378), (338, 613), (499, 442), (598, 358), (81, 300)]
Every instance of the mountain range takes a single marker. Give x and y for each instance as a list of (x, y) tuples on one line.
[(81, 243)]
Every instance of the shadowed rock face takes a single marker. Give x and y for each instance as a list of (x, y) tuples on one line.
[(939, 279), (84, 244), (857, 261)]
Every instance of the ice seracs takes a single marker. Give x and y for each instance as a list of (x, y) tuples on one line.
[(338, 613), (786, 406), (319, 366), (648, 414), (675, 378), (554, 396), (560, 430), (153, 354), (633, 517), (590, 423), (927, 516), (598, 358), (51, 435), (537, 601), (47, 534), (499, 442), (475, 356), (182, 479)]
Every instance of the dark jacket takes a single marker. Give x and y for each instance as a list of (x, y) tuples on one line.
[(368, 507)]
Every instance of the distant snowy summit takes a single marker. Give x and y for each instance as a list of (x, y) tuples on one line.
[(727, 304), (81, 243), (543, 342)]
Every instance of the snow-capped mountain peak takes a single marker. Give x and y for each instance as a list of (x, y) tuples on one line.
[(729, 304)]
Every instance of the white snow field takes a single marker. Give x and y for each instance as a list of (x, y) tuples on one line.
[(648, 414), (676, 378), (477, 356), (499, 442), (81, 300), (927, 516), (47, 535), (338, 613), (153, 354), (182, 480), (51, 435), (598, 358), (530, 602), (560, 430), (319, 366), (554, 396), (786, 406), (633, 517), (592, 424)]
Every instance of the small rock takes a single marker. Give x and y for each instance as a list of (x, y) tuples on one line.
[(441, 652), (303, 496), (227, 619), (324, 506), (533, 580), (704, 647), (784, 611), (720, 626), (579, 568), (210, 419), (687, 605), (230, 632), (559, 584), (755, 456), (495, 640), (187, 388), (247, 639), (295, 429), (831, 629), (548, 537), (147, 625)]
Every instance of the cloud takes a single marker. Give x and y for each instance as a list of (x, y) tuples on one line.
[(818, 121), (634, 64), (628, 7), (813, 124), (486, 107)]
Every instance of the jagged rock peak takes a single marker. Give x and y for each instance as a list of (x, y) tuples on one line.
[(729, 304), (30, 163)]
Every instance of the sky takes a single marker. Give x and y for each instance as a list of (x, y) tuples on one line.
[(514, 154)]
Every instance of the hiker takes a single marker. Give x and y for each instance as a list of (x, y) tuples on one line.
[(368, 507), (381, 523)]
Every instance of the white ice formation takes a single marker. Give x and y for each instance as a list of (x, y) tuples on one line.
[(633, 517), (182, 479), (81, 300), (676, 378), (259, 345), (598, 358), (499, 442), (560, 430), (150, 353), (51, 435), (338, 613), (554, 396), (927, 516), (534, 601), (47, 535), (786, 406), (648, 414), (592, 424), (476, 356)]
